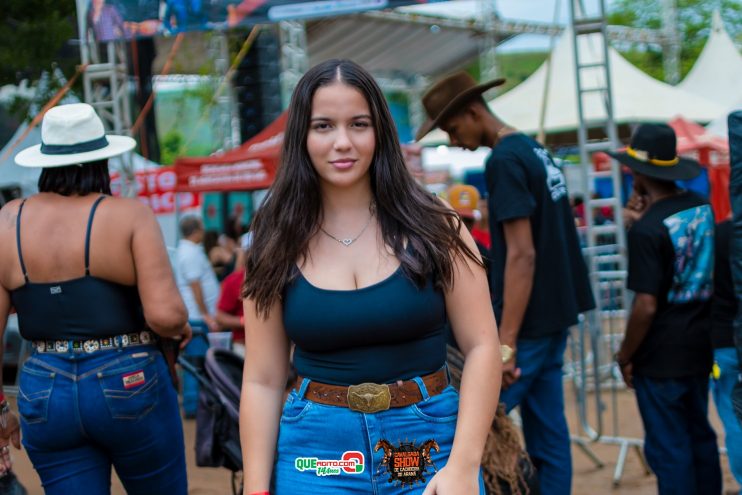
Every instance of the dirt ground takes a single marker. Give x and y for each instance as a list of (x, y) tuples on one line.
[(588, 478)]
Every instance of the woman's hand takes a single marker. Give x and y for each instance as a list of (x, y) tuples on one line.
[(186, 336), (453, 481), (10, 432)]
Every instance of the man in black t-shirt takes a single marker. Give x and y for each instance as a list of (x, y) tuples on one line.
[(666, 353), (538, 279)]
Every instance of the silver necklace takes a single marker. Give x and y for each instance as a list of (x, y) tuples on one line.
[(350, 240)]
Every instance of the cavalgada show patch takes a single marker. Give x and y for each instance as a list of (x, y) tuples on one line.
[(133, 379), (351, 462), (406, 463)]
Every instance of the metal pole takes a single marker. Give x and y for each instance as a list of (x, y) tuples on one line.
[(671, 46)]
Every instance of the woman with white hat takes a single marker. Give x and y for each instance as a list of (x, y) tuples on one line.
[(90, 279)]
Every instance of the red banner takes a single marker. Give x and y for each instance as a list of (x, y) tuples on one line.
[(156, 188), (223, 174)]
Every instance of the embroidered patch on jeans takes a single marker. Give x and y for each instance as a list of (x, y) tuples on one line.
[(351, 462), (406, 463), (133, 379)]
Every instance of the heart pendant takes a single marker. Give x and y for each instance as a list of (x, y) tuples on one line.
[(347, 242)]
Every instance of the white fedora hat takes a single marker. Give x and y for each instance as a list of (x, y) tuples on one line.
[(71, 135)]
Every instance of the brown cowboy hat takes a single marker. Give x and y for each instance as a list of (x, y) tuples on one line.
[(448, 95)]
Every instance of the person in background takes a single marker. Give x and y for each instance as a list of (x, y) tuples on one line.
[(538, 279), (666, 353), (96, 391), (221, 253), (464, 199), (200, 290), (481, 229), (105, 22), (229, 309), (734, 121), (196, 279), (726, 369)]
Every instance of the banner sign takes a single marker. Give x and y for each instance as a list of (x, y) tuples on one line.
[(109, 20), (227, 175), (156, 188)]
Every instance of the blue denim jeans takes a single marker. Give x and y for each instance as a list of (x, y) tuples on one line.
[(679, 443), (309, 430), (721, 390), (540, 395), (82, 413)]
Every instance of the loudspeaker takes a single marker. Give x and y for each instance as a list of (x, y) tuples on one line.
[(256, 84)]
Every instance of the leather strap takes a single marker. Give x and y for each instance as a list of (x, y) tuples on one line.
[(402, 394)]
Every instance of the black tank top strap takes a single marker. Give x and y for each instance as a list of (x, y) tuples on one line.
[(18, 240), (87, 234)]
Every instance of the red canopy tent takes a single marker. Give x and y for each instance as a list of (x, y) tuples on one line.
[(713, 153), (249, 167)]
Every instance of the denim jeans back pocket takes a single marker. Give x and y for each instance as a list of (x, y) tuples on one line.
[(130, 387), (34, 390), (441, 408), (295, 408)]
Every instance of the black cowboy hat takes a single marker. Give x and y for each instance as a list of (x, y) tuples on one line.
[(653, 152), (448, 95)]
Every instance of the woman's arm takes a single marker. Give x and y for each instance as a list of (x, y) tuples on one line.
[(163, 306), (473, 322), (263, 383)]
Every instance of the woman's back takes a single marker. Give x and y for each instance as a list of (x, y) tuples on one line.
[(126, 253), (53, 231)]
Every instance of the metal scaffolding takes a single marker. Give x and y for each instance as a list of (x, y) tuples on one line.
[(294, 57), (671, 46), (229, 120), (488, 51), (600, 333)]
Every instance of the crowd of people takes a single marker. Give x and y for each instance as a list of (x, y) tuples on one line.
[(407, 319)]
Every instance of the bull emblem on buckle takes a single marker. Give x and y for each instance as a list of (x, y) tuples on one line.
[(369, 397), (91, 345)]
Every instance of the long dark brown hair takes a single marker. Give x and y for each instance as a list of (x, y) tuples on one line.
[(291, 213)]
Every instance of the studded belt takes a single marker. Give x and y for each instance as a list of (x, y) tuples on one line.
[(373, 397), (144, 337)]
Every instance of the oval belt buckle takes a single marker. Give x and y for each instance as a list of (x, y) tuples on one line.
[(369, 397)]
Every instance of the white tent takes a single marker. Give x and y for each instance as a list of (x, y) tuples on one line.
[(717, 74), (637, 97), (11, 175)]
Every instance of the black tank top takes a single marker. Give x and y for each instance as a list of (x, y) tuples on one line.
[(389, 331), (77, 309)]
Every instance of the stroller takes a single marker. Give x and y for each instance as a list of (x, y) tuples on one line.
[(217, 414)]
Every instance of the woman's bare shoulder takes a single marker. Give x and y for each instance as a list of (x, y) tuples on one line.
[(9, 214), (130, 207)]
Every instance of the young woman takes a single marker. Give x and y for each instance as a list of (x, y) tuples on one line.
[(90, 279), (360, 267)]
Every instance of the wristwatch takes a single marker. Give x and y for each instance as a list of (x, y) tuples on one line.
[(507, 352)]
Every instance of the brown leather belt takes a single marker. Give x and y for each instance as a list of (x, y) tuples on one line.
[(372, 397)]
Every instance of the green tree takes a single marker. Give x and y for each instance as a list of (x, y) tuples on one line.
[(694, 19), (33, 34), (172, 146)]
